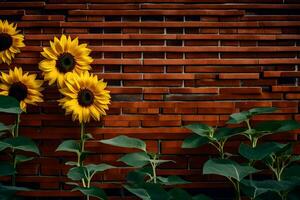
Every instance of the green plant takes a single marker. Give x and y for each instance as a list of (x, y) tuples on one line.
[(144, 182), (80, 173), (277, 157), (14, 145), (85, 97)]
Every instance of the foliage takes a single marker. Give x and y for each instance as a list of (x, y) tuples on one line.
[(144, 182), (276, 157), (14, 145), (81, 174)]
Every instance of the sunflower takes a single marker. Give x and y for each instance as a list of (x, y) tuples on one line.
[(64, 55), (10, 41), (84, 96), (24, 87)]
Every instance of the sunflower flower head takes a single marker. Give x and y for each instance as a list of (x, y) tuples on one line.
[(10, 41), (64, 55), (22, 86), (84, 97)]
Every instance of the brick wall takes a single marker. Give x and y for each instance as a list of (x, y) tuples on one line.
[(168, 63)]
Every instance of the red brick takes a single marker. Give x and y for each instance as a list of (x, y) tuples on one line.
[(239, 76), (244, 90)]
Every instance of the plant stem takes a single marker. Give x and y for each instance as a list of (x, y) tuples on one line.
[(82, 141), (254, 142), (248, 124), (153, 165), (88, 185), (17, 125), (237, 191), (236, 186), (221, 149), (15, 134)]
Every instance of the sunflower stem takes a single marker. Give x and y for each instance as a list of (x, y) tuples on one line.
[(82, 141), (17, 125), (15, 134), (153, 165)]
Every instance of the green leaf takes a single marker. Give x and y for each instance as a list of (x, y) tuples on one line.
[(9, 105), (93, 168), (137, 159), (7, 169), (22, 158), (12, 188), (172, 180), (136, 177), (227, 168), (155, 191), (201, 197), (125, 141), (200, 129), (225, 133), (179, 194), (22, 143), (262, 110), (286, 150), (69, 146), (4, 145), (139, 175), (268, 196), (3, 127), (277, 126), (92, 191), (139, 192), (149, 191), (194, 141), (238, 118), (8, 192), (294, 158), (77, 173), (261, 151), (255, 188), (88, 136), (292, 173)]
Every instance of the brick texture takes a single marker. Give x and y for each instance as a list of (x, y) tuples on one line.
[(168, 63)]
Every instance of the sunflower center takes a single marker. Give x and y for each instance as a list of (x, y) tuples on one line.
[(65, 62), (18, 90), (5, 41), (85, 97)]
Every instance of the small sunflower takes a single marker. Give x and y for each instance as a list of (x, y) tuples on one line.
[(10, 41), (24, 87), (84, 96), (64, 55)]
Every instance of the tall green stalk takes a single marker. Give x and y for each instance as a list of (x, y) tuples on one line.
[(15, 134), (80, 160), (153, 165), (82, 141)]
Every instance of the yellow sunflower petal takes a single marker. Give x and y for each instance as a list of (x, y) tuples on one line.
[(22, 86), (83, 98), (12, 47), (65, 48)]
